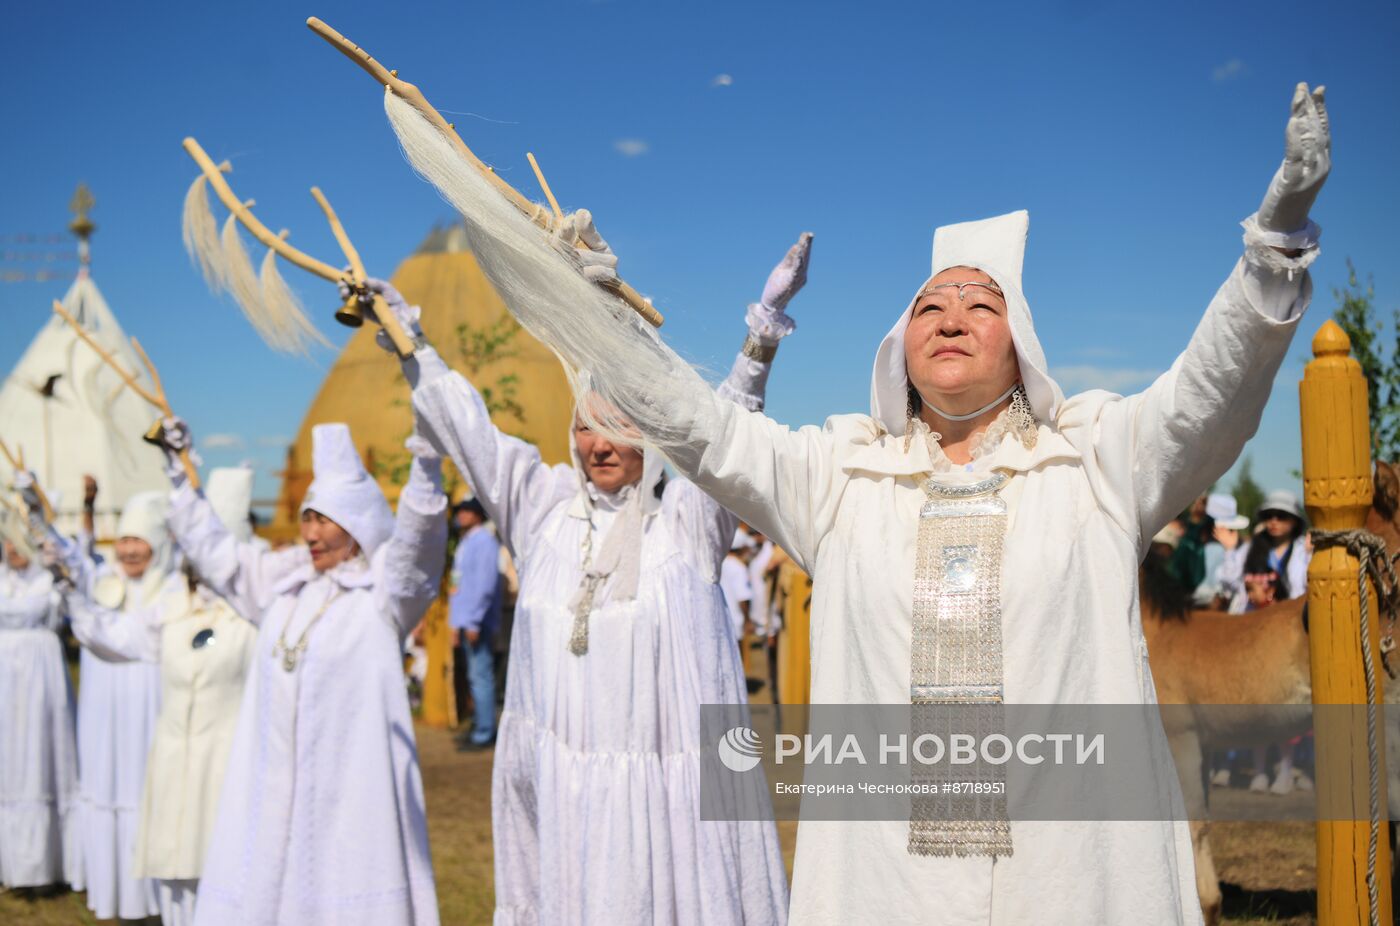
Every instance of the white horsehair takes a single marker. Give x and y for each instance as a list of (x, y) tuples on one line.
[(542, 286)]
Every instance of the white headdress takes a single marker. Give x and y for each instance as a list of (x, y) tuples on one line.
[(230, 493), (143, 517), (997, 247), (342, 490)]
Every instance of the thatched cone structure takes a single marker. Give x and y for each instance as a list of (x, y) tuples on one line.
[(469, 325), (520, 378)]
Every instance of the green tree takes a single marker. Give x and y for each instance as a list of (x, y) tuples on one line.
[(1249, 495), (1356, 314), (476, 348)]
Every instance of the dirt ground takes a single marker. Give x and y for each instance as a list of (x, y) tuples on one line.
[(1268, 868)]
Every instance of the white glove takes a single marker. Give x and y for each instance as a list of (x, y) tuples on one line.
[(789, 276), (426, 461), (597, 262), (408, 315), (1307, 159), (175, 437)]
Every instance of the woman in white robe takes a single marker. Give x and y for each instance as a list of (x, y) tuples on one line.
[(204, 649), (117, 708), (321, 821), (1085, 484), (620, 635), (38, 751)]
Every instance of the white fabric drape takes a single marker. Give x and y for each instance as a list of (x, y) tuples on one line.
[(38, 749)]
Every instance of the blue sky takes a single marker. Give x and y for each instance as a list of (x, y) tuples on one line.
[(1137, 137)]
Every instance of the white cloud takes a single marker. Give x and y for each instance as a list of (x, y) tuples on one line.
[(1074, 379), (221, 442), (273, 440), (631, 147), (1229, 71), (722, 80)]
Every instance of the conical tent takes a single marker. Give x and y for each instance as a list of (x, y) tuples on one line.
[(72, 416), (466, 321)]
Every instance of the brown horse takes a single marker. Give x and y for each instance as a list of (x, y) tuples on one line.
[(1209, 657)]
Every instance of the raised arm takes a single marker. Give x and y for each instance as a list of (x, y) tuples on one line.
[(410, 564), (515, 486), (768, 324), (707, 525), (1162, 447), (112, 635), (243, 574)]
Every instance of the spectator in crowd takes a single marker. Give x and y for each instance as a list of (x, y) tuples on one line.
[(1276, 562), (1189, 562), (1275, 569), (474, 613), (1223, 554), (734, 581)]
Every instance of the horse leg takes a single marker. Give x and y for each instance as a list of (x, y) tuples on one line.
[(1190, 765)]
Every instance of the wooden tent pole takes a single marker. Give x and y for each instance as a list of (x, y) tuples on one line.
[(414, 97), (1338, 489)]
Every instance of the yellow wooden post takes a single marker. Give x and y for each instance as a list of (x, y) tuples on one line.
[(794, 643), (439, 709), (1337, 490)]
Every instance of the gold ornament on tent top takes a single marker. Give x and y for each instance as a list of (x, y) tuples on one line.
[(410, 94), (264, 296)]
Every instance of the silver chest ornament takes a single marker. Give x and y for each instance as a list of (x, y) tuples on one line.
[(956, 662)]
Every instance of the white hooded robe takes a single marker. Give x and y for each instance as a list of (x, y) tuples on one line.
[(1105, 474)]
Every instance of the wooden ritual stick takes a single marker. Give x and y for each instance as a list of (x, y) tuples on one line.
[(402, 342), (414, 97), (392, 326), (251, 222), (156, 399), (163, 404), (544, 185), (16, 460)]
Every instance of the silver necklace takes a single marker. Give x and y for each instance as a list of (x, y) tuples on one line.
[(290, 655)]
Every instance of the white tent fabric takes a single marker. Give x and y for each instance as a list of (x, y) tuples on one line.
[(92, 424)]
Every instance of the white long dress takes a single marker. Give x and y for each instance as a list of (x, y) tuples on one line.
[(201, 689), (38, 752), (117, 708), (1104, 475), (595, 794), (321, 820)]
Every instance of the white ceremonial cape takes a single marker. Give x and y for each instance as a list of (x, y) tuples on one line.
[(117, 708), (321, 821), (38, 752), (1105, 474), (596, 789)]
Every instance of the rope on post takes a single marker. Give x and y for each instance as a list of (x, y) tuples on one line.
[(1375, 562)]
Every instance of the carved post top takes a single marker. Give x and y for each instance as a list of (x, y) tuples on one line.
[(1330, 340)]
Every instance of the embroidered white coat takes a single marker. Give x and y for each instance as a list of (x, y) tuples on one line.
[(201, 689), (844, 500), (322, 820), (596, 787), (38, 751)]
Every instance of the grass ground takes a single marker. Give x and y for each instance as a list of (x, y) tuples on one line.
[(1268, 868)]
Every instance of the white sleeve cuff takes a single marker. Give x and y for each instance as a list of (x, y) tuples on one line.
[(768, 325)]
